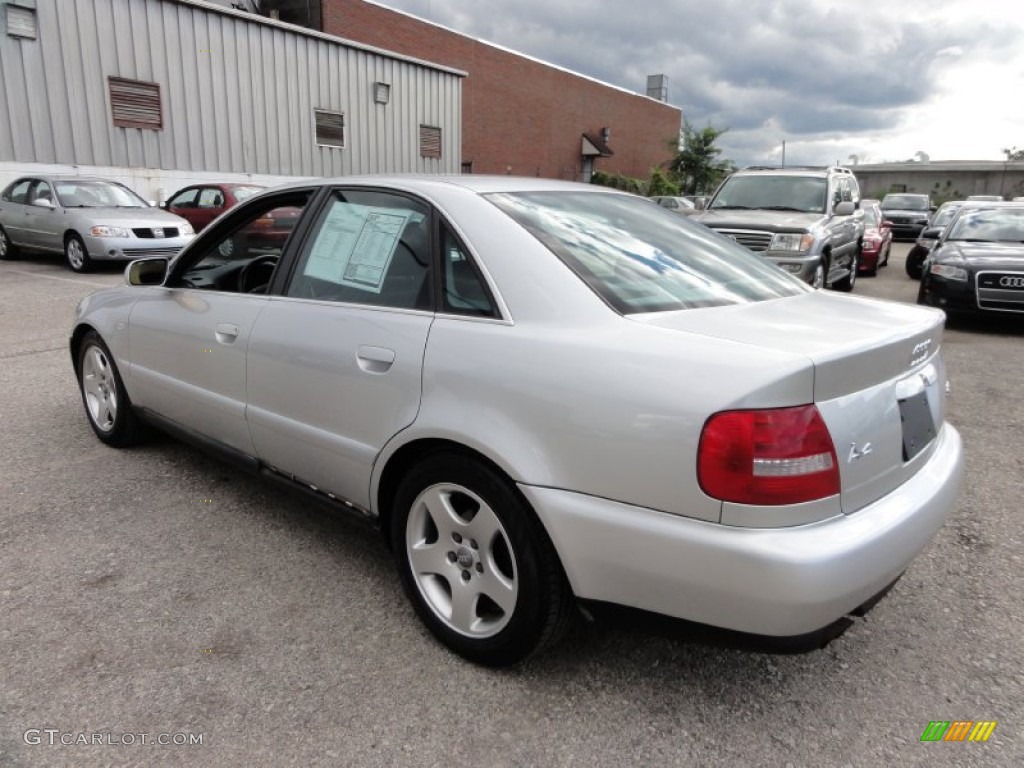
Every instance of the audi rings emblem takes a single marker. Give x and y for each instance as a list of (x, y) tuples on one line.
[(1006, 281)]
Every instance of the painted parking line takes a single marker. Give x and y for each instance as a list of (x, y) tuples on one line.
[(54, 277)]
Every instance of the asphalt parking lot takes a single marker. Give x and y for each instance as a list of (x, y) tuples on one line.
[(157, 591)]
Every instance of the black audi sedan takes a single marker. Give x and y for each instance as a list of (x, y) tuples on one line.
[(978, 263)]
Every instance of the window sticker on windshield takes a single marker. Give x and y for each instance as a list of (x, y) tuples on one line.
[(355, 245)]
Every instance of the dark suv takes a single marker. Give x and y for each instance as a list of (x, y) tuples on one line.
[(908, 213), (804, 219)]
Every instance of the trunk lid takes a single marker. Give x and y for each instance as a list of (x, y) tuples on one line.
[(879, 380)]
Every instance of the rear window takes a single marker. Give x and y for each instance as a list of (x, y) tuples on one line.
[(641, 258), (244, 193)]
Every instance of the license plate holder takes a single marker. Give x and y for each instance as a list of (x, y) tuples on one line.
[(918, 424)]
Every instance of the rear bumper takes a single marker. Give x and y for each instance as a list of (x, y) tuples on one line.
[(779, 581)]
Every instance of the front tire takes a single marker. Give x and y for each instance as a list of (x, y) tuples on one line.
[(476, 563), (106, 402), (75, 254), (820, 274)]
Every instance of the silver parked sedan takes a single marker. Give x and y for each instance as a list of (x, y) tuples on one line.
[(544, 393), (86, 219)]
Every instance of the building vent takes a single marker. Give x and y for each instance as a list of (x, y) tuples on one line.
[(135, 104), (430, 141), (657, 87), (21, 22), (330, 128)]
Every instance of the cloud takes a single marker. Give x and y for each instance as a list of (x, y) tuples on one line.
[(807, 71)]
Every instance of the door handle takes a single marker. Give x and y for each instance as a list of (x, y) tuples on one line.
[(226, 332), (375, 359)]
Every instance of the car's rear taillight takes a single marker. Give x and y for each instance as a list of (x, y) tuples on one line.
[(768, 457)]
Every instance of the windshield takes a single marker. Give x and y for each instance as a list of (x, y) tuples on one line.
[(905, 202), (244, 193), (77, 193), (989, 225), (944, 215), (641, 258), (805, 194)]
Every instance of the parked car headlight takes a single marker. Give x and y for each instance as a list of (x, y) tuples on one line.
[(102, 230), (186, 229), (949, 272), (792, 242)]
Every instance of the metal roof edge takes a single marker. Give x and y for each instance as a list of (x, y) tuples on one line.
[(285, 26)]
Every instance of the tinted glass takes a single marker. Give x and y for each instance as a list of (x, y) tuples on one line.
[(782, 193), (871, 215), (641, 258), (18, 192), (1005, 225), (464, 291), (185, 199)]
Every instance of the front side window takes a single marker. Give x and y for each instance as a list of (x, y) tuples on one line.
[(243, 258), (184, 199), (640, 258), (368, 248)]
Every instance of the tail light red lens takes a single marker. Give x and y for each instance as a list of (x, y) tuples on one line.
[(768, 457)]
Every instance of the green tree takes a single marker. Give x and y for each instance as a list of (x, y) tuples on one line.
[(661, 184), (697, 166), (1014, 155)]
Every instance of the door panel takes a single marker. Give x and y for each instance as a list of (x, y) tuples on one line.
[(335, 366), (329, 385), (187, 358)]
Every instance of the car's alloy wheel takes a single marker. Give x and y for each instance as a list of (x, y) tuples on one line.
[(7, 249), (476, 563), (77, 257), (106, 403)]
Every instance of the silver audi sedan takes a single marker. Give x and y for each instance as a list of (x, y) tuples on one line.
[(87, 219), (545, 395)]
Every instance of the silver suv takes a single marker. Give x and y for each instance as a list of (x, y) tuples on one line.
[(806, 220)]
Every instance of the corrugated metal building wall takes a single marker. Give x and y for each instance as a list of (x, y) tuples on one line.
[(237, 92)]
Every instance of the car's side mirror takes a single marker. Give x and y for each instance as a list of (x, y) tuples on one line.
[(151, 271), (931, 233), (933, 208), (42, 202), (163, 204), (845, 208)]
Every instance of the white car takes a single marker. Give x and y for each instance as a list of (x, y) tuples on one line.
[(87, 219), (544, 393)]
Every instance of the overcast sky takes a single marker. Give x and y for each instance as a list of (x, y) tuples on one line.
[(880, 80)]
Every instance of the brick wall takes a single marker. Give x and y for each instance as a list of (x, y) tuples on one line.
[(519, 116)]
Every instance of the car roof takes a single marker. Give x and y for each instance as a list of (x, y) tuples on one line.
[(476, 183)]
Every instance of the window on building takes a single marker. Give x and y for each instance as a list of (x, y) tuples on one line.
[(330, 128), (21, 22), (430, 141), (135, 104)]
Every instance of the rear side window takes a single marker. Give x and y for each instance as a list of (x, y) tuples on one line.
[(639, 257)]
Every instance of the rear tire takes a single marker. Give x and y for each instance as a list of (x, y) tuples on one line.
[(846, 284), (8, 251), (476, 562), (106, 402)]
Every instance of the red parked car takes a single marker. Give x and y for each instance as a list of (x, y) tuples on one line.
[(877, 238), (202, 203)]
